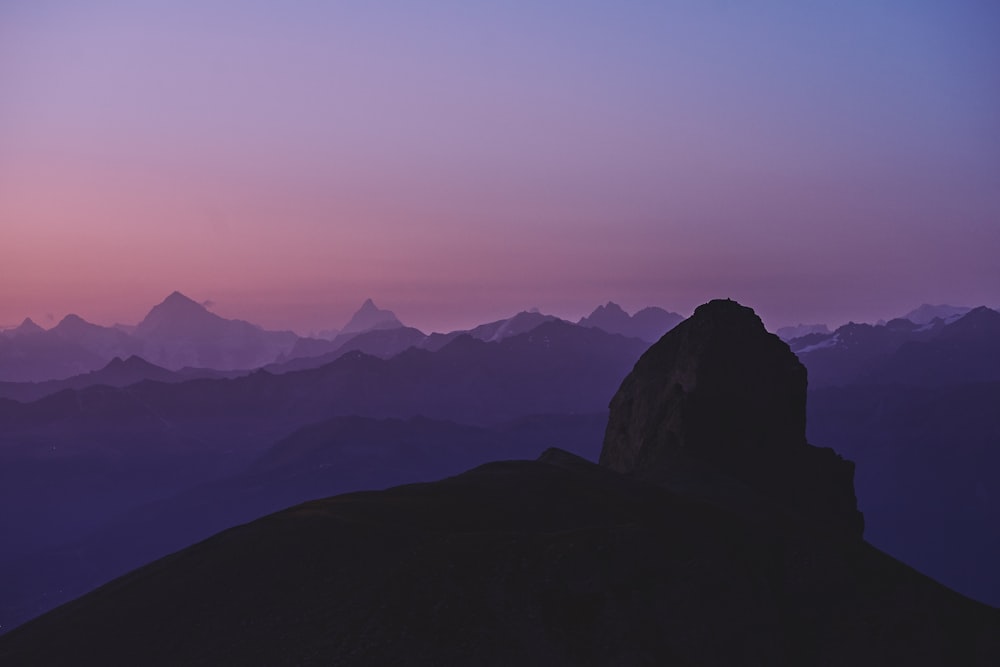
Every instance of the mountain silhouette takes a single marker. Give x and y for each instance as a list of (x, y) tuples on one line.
[(799, 330), (369, 316), (647, 324), (81, 444), (963, 349), (918, 417), (495, 331), (32, 355), (25, 328), (381, 343), (558, 561), (180, 332), (927, 313), (717, 408)]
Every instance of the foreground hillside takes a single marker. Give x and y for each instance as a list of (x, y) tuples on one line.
[(713, 534)]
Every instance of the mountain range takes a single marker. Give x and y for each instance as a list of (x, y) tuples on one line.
[(711, 532), (195, 451), (180, 334)]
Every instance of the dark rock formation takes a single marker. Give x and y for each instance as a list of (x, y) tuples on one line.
[(717, 408)]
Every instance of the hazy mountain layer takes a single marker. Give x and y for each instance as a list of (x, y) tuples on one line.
[(560, 561)]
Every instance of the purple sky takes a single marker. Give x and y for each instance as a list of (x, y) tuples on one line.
[(458, 161)]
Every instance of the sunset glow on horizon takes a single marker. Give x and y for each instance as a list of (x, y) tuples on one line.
[(819, 162)]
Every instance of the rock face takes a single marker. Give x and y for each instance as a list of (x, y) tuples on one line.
[(717, 408)]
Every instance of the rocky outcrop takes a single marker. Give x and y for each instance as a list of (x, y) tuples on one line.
[(716, 409)]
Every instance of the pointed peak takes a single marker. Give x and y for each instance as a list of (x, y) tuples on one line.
[(178, 298), (370, 316), (28, 326)]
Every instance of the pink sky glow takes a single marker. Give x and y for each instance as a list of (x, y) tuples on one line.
[(458, 164)]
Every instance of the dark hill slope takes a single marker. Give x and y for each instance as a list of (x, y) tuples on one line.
[(537, 563)]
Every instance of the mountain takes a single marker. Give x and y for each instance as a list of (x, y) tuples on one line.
[(26, 328), (368, 317), (850, 352), (103, 341), (717, 410), (333, 456), (672, 552), (29, 353), (33, 356), (964, 348), (927, 461), (492, 332), (647, 324), (117, 373), (798, 331), (180, 332), (922, 424), (176, 333), (103, 452), (381, 343), (927, 313)]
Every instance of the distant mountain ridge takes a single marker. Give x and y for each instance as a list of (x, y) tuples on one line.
[(856, 353), (180, 332), (926, 313), (647, 324), (711, 533), (175, 334), (369, 317)]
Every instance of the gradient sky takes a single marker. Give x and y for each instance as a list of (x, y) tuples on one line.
[(458, 161)]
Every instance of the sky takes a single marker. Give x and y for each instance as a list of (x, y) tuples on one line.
[(820, 161)]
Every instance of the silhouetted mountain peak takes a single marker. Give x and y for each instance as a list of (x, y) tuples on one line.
[(176, 312), (26, 327), (177, 301), (131, 364), (610, 313), (977, 323), (75, 327), (927, 313), (369, 316), (648, 324), (718, 405)]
